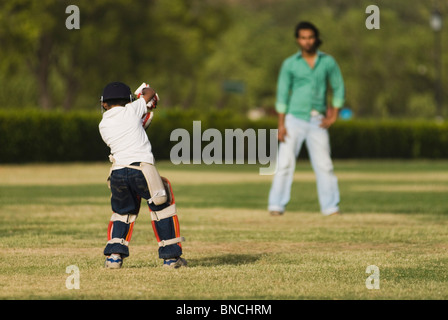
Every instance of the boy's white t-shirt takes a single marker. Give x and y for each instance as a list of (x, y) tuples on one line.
[(121, 129)]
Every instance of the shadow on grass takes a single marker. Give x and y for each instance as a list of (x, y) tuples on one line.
[(226, 259)]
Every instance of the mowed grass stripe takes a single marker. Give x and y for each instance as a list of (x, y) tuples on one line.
[(356, 196), (97, 173)]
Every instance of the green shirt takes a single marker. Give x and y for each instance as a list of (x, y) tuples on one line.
[(301, 89)]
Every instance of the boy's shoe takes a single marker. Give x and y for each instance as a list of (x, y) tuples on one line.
[(114, 261), (175, 263)]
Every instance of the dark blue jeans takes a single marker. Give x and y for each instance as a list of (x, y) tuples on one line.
[(128, 187)]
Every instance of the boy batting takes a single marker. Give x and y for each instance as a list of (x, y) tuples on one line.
[(133, 176)]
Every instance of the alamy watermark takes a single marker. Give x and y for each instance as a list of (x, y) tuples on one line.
[(73, 21), (73, 280), (261, 146), (373, 280), (373, 20)]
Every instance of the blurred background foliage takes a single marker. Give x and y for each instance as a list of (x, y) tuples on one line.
[(215, 54)]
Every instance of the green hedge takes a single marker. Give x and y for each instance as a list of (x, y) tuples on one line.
[(33, 136), (389, 139)]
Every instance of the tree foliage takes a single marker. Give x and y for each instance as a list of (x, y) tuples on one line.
[(190, 49)]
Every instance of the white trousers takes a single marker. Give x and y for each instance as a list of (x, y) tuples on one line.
[(318, 144)]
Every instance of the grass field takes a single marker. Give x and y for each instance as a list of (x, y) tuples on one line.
[(395, 216)]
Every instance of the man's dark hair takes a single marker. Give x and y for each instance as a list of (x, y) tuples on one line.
[(309, 26)]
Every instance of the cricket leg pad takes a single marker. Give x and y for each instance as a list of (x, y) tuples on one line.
[(165, 224), (119, 234)]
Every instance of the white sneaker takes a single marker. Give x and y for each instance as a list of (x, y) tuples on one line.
[(114, 261), (175, 263)]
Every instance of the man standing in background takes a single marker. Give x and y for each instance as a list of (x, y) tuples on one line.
[(303, 116)]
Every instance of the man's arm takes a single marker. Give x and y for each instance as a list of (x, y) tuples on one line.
[(338, 88), (283, 89), (281, 105)]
